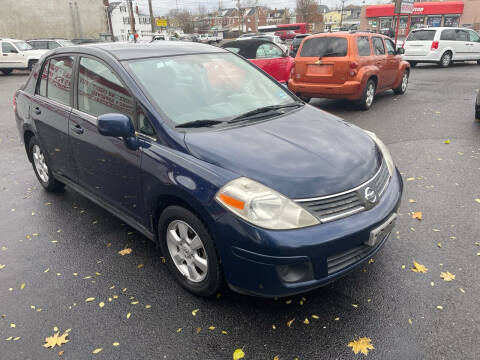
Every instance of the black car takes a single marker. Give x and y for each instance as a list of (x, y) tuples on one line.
[(296, 44), (477, 107)]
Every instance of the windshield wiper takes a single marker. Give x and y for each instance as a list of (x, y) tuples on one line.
[(264, 109), (331, 54), (199, 123)]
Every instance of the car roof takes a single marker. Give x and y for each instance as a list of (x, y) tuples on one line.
[(441, 28), (129, 51), (346, 34), (47, 39)]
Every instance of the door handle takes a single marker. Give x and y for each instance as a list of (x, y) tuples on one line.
[(37, 110), (77, 129), (5, 54)]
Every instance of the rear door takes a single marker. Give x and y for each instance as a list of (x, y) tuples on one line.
[(11, 57), (474, 45), (419, 42), (393, 62), (323, 59), (269, 57), (380, 60)]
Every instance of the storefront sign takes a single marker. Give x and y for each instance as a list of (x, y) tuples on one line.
[(161, 22), (420, 8), (403, 6)]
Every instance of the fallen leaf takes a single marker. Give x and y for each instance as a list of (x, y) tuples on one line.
[(12, 325), (179, 330), (355, 305), (439, 245), (289, 322), (412, 201), (125, 251), (446, 141), (410, 321), (89, 299), (102, 304), (419, 267), (128, 315), (22, 286), (148, 306), (61, 352), (238, 354), (337, 319), (139, 266), (439, 307), (410, 179), (97, 350), (194, 312), (211, 328), (361, 345), (115, 344), (306, 321), (274, 327), (56, 340), (9, 338), (2, 266), (316, 317), (477, 200), (224, 332), (447, 276), (417, 215), (288, 302), (276, 357)]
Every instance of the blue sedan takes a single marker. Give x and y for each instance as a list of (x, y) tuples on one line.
[(237, 180)]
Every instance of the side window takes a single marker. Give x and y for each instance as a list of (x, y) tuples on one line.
[(41, 45), (448, 34), (461, 35), (390, 47), (8, 48), (268, 51), (378, 46), (474, 36), (100, 91), (363, 45), (33, 44), (42, 87), (52, 45), (144, 126), (60, 79)]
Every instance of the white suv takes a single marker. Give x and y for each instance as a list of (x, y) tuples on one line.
[(17, 55), (441, 45)]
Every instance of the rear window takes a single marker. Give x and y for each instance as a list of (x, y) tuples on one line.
[(324, 46), (421, 35)]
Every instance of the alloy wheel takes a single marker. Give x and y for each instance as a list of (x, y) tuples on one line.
[(370, 94), (187, 251), (404, 82), (40, 164), (446, 59)]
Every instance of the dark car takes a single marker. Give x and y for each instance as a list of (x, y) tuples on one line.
[(296, 44), (477, 106), (227, 171)]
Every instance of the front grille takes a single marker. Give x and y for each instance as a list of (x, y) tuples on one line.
[(337, 206), (344, 259)]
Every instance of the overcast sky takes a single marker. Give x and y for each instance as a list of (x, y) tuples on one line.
[(161, 7)]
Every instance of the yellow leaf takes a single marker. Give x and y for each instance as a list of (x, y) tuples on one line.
[(148, 306), (224, 332), (97, 350), (274, 327), (2, 266), (61, 352), (125, 251), (337, 319), (211, 328), (361, 345), (12, 325), (463, 291), (22, 286), (417, 215), (306, 322), (139, 266), (179, 330), (288, 302), (238, 354), (447, 276), (194, 312), (355, 305), (446, 141), (439, 245), (316, 317), (411, 179), (412, 201), (102, 304), (439, 307), (289, 322), (115, 344), (410, 321), (89, 299), (56, 340), (419, 267), (477, 200), (128, 315), (55, 328), (276, 357), (9, 338), (134, 302)]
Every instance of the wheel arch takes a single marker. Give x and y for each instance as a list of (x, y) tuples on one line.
[(27, 136)]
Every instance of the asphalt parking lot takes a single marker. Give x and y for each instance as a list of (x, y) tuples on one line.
[(58, 250)]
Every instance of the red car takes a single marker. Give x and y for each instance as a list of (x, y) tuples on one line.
[(286, 34), (266, 55)]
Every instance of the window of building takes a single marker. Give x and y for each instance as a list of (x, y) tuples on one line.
[(100, 91), (434, 21), (378, 45), (417, 22), (60, 71), (363, 45), (451, 20)]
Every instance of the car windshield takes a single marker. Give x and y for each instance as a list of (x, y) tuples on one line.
[(65, 43), (212, 87), (421, 35), (22, 45)]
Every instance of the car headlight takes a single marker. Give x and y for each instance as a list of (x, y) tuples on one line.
[(385, 152), (262, 206)]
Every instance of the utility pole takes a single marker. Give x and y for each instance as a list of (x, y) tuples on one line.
[(132, 20), (341, 14), (256, 16), (152, 20), (109, 18), (239, 23)]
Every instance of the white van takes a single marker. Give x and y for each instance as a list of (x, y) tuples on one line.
[(17, 55), (441, 45)]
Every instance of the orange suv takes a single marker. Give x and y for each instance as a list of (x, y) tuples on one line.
[(352, 66)]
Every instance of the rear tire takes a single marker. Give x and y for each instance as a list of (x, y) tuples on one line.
[(41, 168), (366, 101), (191, 255), (403, 85), (413, 63), (478, 62), (445, 60), (6, 71)]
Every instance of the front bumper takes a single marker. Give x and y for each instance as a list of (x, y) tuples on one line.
[(253, 258), (348, 90)]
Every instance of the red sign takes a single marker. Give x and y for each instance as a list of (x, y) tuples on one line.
[(420, 8)]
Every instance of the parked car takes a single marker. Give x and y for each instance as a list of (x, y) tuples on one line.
[(477, 106), (296, 44), (49, 44), (247, 185), (160, 37), (285, 34), (17, 55), (266, 55), (352, 66), (247, 36), (442, 45), (272, 38)]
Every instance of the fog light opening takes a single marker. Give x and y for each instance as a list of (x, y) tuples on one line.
[(293, 273)]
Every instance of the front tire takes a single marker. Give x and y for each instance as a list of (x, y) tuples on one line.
[(403, 85), (445, 60), (366, 101), (413, 63), (41, 168), (190, 252)]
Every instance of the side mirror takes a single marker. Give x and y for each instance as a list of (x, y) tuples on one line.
[(118, 125), (400, 51)]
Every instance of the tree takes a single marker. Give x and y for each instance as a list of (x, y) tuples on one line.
[(307, 11)]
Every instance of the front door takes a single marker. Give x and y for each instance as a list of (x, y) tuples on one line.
[(106, 167), (380, 60), (393, 62), (50, 110), (461, 49), (11, 57)]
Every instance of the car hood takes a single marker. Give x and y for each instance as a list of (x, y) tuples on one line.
[(305, 153)]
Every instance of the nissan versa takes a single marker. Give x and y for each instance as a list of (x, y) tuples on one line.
[(235, 178)]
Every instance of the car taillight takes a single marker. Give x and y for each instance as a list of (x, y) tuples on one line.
[(292, 71), (353, 65), (14, 102), (434, 45)]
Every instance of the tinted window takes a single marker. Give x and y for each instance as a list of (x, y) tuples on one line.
[(8, 48), (297, 42), (363, 45), (59, 79), (268, 51), (42, 87), (474, 36), (421, 35), (461, 35), (378, 46), (324, 46), (100, 91), (390, 47), (448, 35)]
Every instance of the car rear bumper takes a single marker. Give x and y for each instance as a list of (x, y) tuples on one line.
[(431, 56), (271, 263), (351, 90)]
